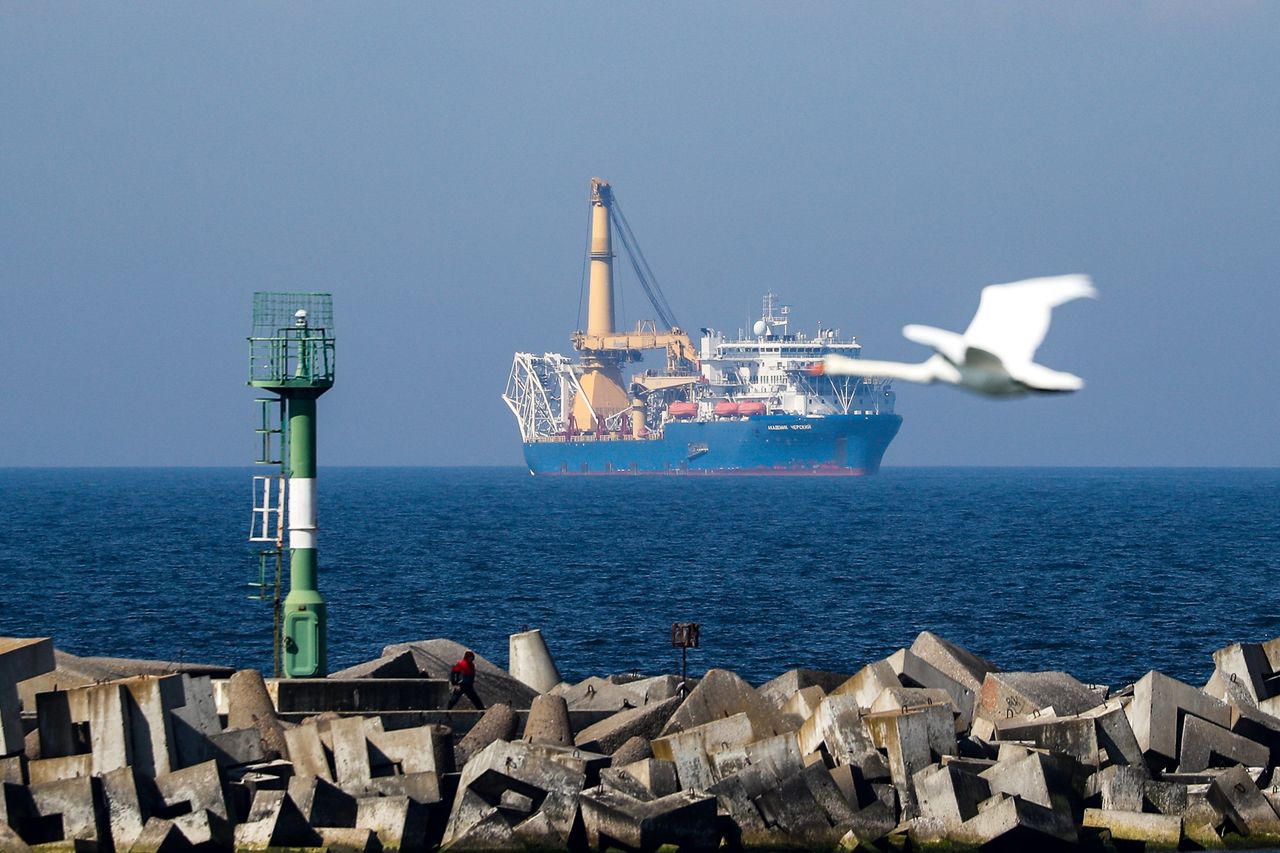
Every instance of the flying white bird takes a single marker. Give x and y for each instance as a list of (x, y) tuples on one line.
[(994, 355)]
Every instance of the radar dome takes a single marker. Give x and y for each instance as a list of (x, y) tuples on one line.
[(760, 328)]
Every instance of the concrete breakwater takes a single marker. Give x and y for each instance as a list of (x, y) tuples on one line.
[(932, 746)]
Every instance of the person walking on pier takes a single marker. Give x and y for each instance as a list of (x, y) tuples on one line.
[(462, 680)]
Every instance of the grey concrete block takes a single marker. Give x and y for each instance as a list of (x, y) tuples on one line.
[(205, 830), (400, 823), (955, 661), (152, 698), (949, 795), (520, 768), (610, 733), (657, 777), (11, 841), (1246, 809), (108, 710), (413, 750), (837, 727), (55, 769), (600, 694), (801, 705), (274, 820), (781, 689), (237, 747), (321, 802), (1159, 705), (493, 684), (868, 683), (1164, 797), (349, 840), (683, 819), (796, 817), (1014, 694), (249, 705), (53, 722), (193, 789), (21, 658), (307, 752), (351, 765), (397, 665), (160, 835), (690, 749), (127, 810), (1207, 745), (913, 741), (1036, 777), (1246, 665), (914, 671), (1121, 788), (1016, 824), (1155, 830), (72, 803), (720, 694)]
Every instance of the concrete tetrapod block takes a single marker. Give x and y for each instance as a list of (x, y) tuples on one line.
[(548, 722), (1205, 745), (498, 723), (21, 658), (1247, 810), (531, 662), (913, 671), (249, 705), (837, 725), (483, 813), (682, 819), (307, 751), (720, 694), (274, 820), (1155, 830), (955, 661), (55, 769), (1156, 714), (1014, 694), (610, 733), (690, 749), (913, 740)]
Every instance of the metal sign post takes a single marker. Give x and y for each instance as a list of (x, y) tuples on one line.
[(684, 636)]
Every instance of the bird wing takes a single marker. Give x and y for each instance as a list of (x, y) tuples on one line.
[(839, 365), (1012, 319), (951, 345), (1037, 377)]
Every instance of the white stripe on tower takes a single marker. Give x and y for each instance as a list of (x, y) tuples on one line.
[(302, 512)]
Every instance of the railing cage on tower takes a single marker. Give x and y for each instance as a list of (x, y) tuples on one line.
[(292, 345)]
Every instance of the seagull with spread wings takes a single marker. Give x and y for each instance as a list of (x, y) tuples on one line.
[(995, 355)]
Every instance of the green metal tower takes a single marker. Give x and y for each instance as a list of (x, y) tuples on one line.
[(291, 354)]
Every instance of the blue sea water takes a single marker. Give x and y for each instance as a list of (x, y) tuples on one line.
[(1102, 573)]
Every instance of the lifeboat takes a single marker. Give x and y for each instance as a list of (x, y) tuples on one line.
[(726, 409), (682, 410), (751, 407)]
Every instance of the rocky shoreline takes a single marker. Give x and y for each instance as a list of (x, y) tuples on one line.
[(931, 747)]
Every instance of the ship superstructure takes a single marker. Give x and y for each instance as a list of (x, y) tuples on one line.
[(746, 404)]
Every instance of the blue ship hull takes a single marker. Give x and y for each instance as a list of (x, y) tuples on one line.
[(769, 444)]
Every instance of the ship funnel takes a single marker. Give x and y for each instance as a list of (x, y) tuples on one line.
[(600, 295)]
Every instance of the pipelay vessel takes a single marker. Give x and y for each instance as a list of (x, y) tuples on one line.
[(745, 405)]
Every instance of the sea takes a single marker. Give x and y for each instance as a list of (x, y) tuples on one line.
[(1103, 573)]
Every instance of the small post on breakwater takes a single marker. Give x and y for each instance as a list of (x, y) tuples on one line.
[(684, 636), (291, 354)]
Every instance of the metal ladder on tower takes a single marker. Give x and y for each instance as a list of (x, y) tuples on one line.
[(267, 520)]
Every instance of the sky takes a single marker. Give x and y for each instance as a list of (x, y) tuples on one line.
[(875, 164)]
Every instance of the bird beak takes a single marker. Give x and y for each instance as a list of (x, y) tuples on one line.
[(815, 369)]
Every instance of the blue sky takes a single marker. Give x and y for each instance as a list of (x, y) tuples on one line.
[(876, 164)]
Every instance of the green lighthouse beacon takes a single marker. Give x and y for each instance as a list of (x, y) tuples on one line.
[(291, 354)]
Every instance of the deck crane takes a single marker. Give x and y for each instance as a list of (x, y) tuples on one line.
[(602, 398)]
